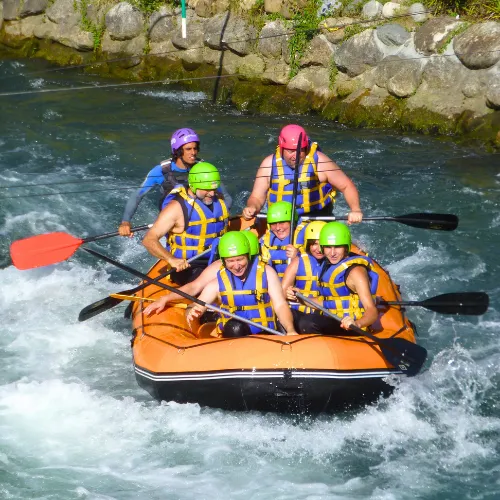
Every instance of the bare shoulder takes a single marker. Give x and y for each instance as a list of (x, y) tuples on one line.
[(324, 160)]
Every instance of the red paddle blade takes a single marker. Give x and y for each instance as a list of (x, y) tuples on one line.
[(43, 250)]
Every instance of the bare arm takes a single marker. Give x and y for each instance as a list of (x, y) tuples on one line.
[(170, 219), (280, 305), (209, 295), (330, 172), (192, 288), (260, 187), (359, 282), (289, 279)]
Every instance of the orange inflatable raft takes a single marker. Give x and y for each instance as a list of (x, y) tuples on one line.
[(305, 373)]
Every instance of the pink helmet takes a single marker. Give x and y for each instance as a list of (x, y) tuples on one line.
[(289, 137), (181, 137)]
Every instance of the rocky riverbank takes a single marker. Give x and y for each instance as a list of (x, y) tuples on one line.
[(368, 64)]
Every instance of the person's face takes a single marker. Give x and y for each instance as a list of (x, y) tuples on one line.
[(206, 197), (335, 253), (237, 265), (290, 155), (315, 249), (280, 229), (189, 152)]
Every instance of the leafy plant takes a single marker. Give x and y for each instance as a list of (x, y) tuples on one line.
[(305, 26), (452, 34), (478, 9)]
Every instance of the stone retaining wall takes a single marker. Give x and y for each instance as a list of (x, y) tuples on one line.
[(392, 66)]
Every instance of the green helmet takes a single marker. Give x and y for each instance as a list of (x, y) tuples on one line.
[(233, 244), (335, 234), (203, 176), (281, 211), (253, 241)]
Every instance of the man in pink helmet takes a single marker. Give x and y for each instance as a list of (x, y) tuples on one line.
[(185, 146), (319, 179)]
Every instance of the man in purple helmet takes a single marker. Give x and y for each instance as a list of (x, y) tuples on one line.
[(185, 145)]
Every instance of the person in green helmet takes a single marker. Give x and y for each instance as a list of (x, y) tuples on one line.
[(191, 221), (277, 247), (248, 288), (195, 287), (347, 284)]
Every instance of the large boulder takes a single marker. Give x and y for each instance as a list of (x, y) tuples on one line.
[(23, 28), (493, 96), (251, 67), (359, 53), (15, 9), (433, 35), (392, 34), (237, 35), (65, 34), (418, 12), (444, 73), (393, 9), (132, 47), (124, 22), (270, 39), (319, 52), (479, 46), (277, 73), (372, 10), (273, 6), (314, 80), (63, 12), (406, 80), (162, 24)]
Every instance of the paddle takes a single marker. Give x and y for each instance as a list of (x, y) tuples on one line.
[(112, 300), (45, 249), (151, 281), (467, 303), (438, 222), (400, 353), (295, 185)]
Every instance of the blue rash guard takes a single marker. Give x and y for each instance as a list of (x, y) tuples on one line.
[(166, 175)]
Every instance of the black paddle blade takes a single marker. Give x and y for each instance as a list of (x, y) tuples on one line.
[(439, 222), (467, 303), (98, 307), (403, 354), (128, 311)]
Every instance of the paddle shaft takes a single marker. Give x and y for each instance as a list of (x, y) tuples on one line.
[(295, 184), (408, 362), (115, 233), (151, 281)]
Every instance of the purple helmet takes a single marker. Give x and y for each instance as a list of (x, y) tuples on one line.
[(181, 137)]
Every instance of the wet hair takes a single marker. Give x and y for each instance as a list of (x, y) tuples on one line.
[(180, 151), (234, 328)]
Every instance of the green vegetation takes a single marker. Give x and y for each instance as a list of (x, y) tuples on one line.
[(475, 9), (451, 35), (149, 6), (305, 27), (97, 30)]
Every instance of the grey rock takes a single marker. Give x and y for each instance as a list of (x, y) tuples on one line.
[(23, 28), (33, 7), (392, 9), (270, 39), (418, 12), (68, 35), (431, 36), (359, 53), (314, 80), (444, 73), (372, 10), (124, 22), (277, 72), (195, 28), (474, 84), (1, 15), (375, 98), (162, 24), (479, 46), (493, 96), (318, 53), (334, 28), (63, 12), (407, 80), (132, 47), (387, 68), (12, 9), (204, 8), (392, 34), (251, 67), (238, 36)]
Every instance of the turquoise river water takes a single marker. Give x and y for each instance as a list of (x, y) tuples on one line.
[(73, 422)]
